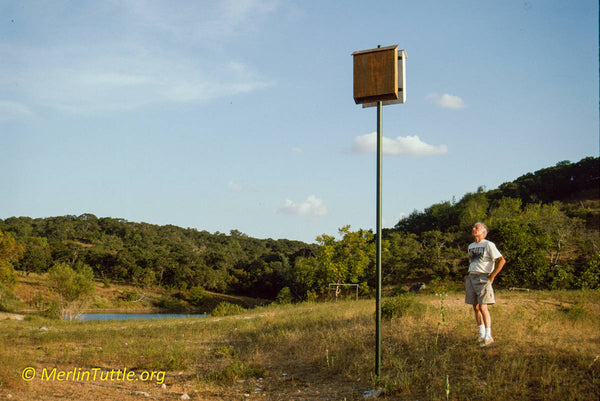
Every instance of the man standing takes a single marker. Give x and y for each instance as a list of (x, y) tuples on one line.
[(485, 264)]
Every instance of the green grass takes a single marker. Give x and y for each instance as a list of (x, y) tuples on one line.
[(547, 347)]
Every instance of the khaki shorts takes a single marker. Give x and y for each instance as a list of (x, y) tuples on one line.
[(479, 290)]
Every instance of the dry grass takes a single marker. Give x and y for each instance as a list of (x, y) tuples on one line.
[(547, 347)]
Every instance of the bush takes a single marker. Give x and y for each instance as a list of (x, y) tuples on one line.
[(196, 296), (8, 300), (71, 284), (8, 282), (284, 296), (52, 310), (129, 296), (590, 277), (170, 303), (402, 305), (227, 309)]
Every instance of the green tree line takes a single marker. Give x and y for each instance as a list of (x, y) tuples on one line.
[(150, 255), (545, 223)]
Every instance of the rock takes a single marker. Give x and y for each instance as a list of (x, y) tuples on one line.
[(44, 328), (145, 394), (372, 393), (417, 287), (184, 396)]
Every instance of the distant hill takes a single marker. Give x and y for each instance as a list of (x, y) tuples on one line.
[(144, 254), (565, 182)]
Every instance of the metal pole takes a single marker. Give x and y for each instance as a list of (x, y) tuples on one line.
[(378, 244)]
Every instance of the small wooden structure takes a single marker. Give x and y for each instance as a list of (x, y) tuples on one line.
[(379, 75)]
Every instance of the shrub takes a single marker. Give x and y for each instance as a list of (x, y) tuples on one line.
[(129, 295), (70, 284), (8, 300), (52, 310), (401, 306), (284, 296), (8, 282), (590, 277), (227, 309), (196, 296), (169, 303)]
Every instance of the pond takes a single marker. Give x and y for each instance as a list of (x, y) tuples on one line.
[(136, 316)]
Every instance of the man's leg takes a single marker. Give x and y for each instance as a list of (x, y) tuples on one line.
[(471, 298), (480, 321), (487, 321), (485, 314), (478, 314)]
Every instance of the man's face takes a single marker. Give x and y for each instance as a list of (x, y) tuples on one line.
[(478, 231)]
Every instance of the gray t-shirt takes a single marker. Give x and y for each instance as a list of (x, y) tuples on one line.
[(482, 256)]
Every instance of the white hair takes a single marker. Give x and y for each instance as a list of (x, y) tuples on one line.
[(482, 225)]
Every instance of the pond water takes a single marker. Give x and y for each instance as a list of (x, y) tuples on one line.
[(136, 316)]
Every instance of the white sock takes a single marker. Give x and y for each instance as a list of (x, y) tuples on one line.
[(481, 331), (488, 332)]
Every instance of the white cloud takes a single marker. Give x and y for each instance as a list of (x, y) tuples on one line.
[(297, 150), (124, 77), (446, 101), (401, 146), (148, 53), (312, 207), (235, 187), (13, 110)]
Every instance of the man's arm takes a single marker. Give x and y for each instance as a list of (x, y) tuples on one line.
[(499, 265)]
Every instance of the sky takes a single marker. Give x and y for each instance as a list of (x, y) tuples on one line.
[(239, 114)]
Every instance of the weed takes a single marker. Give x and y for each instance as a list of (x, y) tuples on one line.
[(225, 351), (237, 371), (575, 313), (442, 296)]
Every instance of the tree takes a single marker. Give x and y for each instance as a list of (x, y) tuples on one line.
[(37, 256), (437, 256), (472, 208), (347, 260), (73, 286), (10, 252), (399, 262), (520, 244)]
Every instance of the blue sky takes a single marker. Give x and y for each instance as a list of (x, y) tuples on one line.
[(239, 114)]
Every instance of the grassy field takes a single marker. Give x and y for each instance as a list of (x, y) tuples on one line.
[(547, 348)]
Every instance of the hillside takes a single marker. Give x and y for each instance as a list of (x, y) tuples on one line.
[(546, 223), (573, 184)]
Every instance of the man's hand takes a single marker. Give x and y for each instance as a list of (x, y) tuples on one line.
[(499, 265)]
